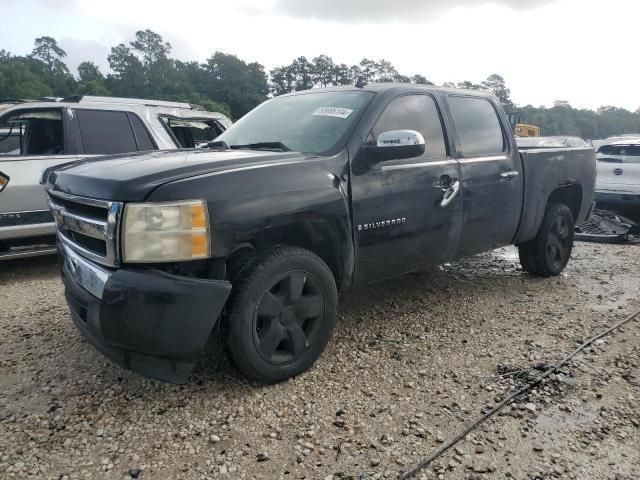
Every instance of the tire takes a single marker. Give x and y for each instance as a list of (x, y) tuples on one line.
[(281, 314), (548, 254)]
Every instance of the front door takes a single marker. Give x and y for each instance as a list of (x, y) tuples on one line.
[(401, 222), (35, 140)]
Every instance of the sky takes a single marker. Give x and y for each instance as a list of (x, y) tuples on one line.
[(581, 51)]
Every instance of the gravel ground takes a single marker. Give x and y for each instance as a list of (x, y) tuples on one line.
[(412, 362)]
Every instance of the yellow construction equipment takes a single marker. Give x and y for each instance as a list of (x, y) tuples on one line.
[(526, 130)]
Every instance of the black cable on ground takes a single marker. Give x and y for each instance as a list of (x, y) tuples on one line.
[(411, 473)]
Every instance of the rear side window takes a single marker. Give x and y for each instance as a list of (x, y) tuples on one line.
[(415, 112), (105, 132), (477, 125), (145, 142)]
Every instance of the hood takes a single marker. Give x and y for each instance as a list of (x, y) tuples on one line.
[(132, 177)]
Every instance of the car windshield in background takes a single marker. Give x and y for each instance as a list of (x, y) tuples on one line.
[(310, 123), (621, 150)]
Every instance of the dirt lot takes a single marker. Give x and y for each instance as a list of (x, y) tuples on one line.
[(413, 360)]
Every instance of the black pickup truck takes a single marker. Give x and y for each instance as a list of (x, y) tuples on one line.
[(307, 195)]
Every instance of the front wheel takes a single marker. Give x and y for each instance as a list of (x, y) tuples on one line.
[(548, 254), (281, 315)]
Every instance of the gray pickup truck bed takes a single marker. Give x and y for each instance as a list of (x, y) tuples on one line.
[(544, 170)]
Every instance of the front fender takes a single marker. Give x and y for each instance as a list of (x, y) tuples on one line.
[(301, 204)]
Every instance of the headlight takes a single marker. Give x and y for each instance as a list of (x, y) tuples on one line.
[(166, 232)]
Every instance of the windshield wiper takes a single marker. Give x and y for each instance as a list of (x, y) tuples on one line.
[(216, 145), (275, 146)]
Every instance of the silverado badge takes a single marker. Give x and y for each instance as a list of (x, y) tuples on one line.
[(382, 224)]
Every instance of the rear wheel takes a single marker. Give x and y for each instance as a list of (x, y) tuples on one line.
[(282, 314), (548, 254)]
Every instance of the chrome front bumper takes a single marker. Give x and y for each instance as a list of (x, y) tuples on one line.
[(88, 275)]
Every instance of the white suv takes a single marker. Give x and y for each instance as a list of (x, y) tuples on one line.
[(37, 135), (618, 179)]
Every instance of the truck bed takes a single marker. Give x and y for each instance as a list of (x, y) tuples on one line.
[(545, 170)]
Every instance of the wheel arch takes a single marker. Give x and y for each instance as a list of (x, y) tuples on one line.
[(328, 240), (569, 195)]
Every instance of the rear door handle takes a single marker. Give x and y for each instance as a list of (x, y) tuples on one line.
[(507, 176), (450, 193)]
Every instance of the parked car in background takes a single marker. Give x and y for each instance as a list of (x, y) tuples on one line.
[(609, 140), (618, 181), (308, 194), (37, 135), (550, 142)]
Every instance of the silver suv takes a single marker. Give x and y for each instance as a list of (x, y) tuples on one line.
[(37, 135)]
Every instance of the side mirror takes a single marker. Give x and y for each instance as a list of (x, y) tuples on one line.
[(397, 145)]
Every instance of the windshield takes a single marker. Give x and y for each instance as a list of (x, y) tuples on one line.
[(311, 123)]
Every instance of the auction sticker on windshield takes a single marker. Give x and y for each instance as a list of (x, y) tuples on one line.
[(337, 112)]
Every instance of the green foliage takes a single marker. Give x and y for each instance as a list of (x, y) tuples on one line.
[(91, 81), (563, 119), (143, 68), (322, 71), (498, 86), (20, 77)]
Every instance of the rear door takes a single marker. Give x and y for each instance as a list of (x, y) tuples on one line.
[(491, 175), (45, 137), (401, 224)]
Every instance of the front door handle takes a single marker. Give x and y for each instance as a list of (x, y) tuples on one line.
[(507, 176), (450, 193)]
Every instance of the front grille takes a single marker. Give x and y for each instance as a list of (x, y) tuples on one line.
[(93, 244), (97, 213), (88, 226)]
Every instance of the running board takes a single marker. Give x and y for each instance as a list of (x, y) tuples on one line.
[(24, 252)]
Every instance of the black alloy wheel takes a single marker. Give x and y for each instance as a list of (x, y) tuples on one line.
[(281, 313), (549, 252), (559, 242), (288, 317)]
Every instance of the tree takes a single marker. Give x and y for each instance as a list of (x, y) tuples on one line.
[(231, 81), (368, 69), (18, 79), (282, 80), (303, 73), (340, 75), (48, 55), (128, 79), (91, 82), (386, 71), (46, 49), (159, 70), (420, 80), (468, 85), (498, 86), (323, 69), (151, 46)]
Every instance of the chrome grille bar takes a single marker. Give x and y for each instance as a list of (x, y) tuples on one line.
[(104, 229)]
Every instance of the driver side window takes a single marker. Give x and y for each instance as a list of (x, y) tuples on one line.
[(414, 112)]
